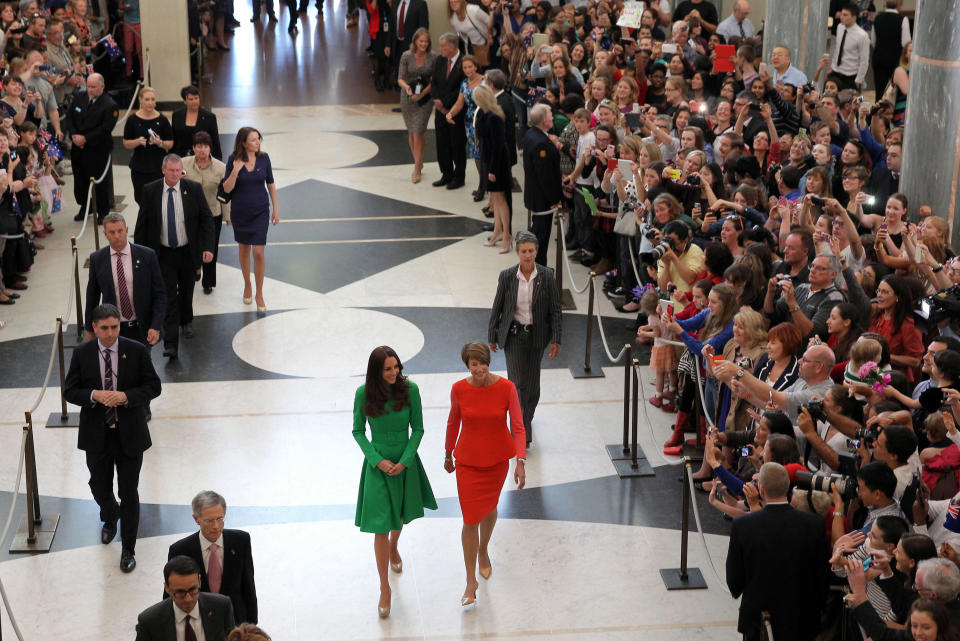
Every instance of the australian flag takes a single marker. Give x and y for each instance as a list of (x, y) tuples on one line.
[(50, 144), (110, 46)]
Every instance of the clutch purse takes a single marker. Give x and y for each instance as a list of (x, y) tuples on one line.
[(222, 195)]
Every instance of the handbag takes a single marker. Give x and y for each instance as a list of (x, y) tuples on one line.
[(480, 52), (222, 195), (626, 224)]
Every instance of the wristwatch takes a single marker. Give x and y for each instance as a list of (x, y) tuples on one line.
[(740, 373), (795, 308)]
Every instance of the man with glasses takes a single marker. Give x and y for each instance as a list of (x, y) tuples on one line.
[(814, 382), (189, 615), (224, 557), (807, 305)]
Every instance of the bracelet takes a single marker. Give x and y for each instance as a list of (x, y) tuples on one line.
[(836, 514), (938, 269)]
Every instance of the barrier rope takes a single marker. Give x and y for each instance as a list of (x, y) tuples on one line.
[(140, 83), (653, 437), (6, 530), (566, 259), (703, 538), (633, 264), (603, 337), (86, 207), (53, 346)]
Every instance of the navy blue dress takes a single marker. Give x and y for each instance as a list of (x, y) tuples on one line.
[(250, 202)]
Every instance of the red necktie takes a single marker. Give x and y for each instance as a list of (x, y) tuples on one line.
[(403, 12), (123, 295), (214, 571)]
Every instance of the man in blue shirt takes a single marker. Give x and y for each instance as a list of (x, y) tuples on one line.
[(784, 72)]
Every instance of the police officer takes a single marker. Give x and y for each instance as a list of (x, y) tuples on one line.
[(91, 120)]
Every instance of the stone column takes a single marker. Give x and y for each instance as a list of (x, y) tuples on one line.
[(801, 27), (931, 153), (166, 37)]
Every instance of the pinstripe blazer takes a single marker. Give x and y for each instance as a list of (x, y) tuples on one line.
[(546, 307)]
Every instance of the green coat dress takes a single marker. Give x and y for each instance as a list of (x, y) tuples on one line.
[(384, 502)]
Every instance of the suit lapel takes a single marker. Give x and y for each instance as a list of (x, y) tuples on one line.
[(196, 552), (169, 624), (106, 273), (229, 558), (537, 288), (206, 615)]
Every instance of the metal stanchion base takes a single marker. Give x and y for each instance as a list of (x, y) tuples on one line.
[(57, 419), (45, 531), (118, 206), (579, 371), (616, 452), (625, 469), (694, 452), (673, 580), (566, 300)]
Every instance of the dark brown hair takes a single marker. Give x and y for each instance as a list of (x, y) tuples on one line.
[(239, 150), (377, 391)]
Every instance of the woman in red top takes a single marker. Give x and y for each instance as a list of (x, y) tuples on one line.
[(483, 451), (893, 319)]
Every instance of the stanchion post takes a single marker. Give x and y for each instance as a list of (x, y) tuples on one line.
[(76, 287), (634, 446), (35, 533), (62, 418), (566, 298), (96, 212), (684, 578), (586, 371), (627, 362)]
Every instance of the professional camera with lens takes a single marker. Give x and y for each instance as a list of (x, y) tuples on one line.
[(865, 434), (845, 480), (934, 309), (809, 87), (817, 413), (648, 231), (693, 179), (655, 254)]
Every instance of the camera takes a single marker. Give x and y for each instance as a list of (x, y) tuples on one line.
[(818, 201), (693, 179), (817, 413), (745, 451), (846, 485), (865, 434), (809, 87), (649, 231), (657, 252)]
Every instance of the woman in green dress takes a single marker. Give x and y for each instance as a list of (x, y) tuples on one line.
[(394, 489)]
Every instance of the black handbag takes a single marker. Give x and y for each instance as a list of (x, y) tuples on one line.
[(9, 225), (222, 195)]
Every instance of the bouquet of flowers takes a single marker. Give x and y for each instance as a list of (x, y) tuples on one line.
[(870, 374)]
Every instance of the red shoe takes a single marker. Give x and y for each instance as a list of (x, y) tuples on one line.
[(676, 450), (656, 401), (670, 393), (668, 407)]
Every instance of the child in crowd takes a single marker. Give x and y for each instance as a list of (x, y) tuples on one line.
[(663, 357), (863, 351)]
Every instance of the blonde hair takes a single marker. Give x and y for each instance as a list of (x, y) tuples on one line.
[(416, 35), (653, 150), (752, 323), (147, 89), (486, 101), (865, 349), (649, 302), (935, 426), (476, 351)]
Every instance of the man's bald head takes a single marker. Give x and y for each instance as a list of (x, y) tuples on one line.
[(95, 85), (741, 9)]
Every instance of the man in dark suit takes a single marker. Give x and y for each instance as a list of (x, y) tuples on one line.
[(408, 16), (497, 81), (183, 242), (542, 191), (112, 380), (223, 556), (778, 561), (885, 181), (189, 612), (525, 318), (91, 119), (451, 136)]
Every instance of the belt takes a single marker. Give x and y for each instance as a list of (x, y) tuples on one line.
[(515, 326), (130, 324)]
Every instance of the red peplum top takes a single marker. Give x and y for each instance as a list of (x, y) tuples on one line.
[(484, 438)]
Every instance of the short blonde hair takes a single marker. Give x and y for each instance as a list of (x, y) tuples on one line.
[(475, 351), (147, 89), (753, 326), (865, 349), (247, 632)]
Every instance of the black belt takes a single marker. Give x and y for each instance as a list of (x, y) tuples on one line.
[(519, 326), (130, 324)]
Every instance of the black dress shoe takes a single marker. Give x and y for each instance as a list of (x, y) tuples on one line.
[(127, 561), (487, 226), (440, 183), (478, 195), (208, 290), (188, 331), (455, 184), (79, 217), (109, 532), (170, 351)]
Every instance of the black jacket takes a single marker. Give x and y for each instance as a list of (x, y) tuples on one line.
[(446, 87), (197, 218), (157, 623), (134, 375), (237, 580), (415, 16), (183, 137), (149, 294), (508, 104), (545, 308), (541, 168), (95, 122), (778, 561)]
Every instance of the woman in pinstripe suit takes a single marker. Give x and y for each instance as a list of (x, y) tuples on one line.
[(525, 319)]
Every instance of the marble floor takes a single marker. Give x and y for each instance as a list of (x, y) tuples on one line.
[(362, 258)]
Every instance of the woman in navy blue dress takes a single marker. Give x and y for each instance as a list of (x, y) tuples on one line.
[(248, 180)]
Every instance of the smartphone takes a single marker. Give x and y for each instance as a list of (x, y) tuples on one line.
[(667, 307), (674, 174), (611, 163), (716, 359), (745, 451), (669, 48), (634, 121), (868, 562), (883, 225), (870, 200)]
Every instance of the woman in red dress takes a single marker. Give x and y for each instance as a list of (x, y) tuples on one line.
[(893, 319), (478, 412)]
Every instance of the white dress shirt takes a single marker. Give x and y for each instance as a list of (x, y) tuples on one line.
[(180, 617), (205, 551), (127, 259), (178, 206), (523, 312), (856, 52), (114, 363), (730, 28)]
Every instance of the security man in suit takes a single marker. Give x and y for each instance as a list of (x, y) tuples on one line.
[(188, 614), (91, 119), (777, 560), (542, 190), (407, 16), (525, 318), (112, 380), (451, 137), (223, 556), (175, 221), (497, 81)]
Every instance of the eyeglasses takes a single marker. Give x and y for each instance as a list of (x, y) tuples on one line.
[(194, 591), (218, 521), (807, 360), (819, 268), (851, 177)]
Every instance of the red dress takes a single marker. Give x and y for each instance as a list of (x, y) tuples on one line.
[(904, 340), (484, 447)]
